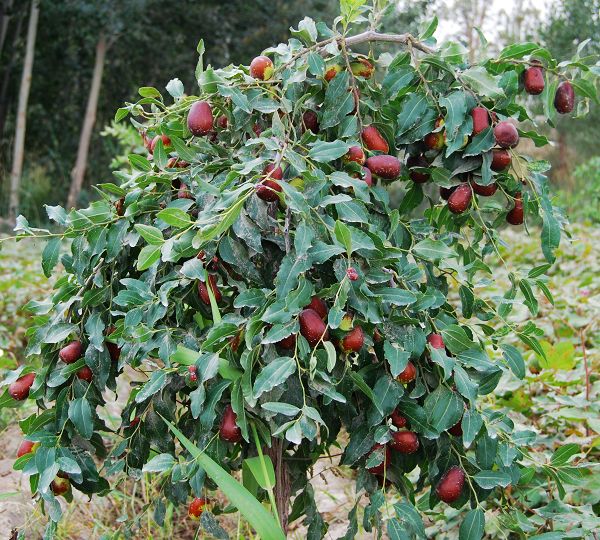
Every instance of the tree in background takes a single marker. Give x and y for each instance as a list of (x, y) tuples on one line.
[(150, 46), (19, 144), (571, 23)]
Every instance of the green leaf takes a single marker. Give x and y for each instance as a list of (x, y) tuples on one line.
[(444, 408), (273, 374), (411, 517), (316, 64), (139, 162), (433, 250), (50, 255), (159, 463), (396, 296), (518, 50), (175, 217), (562, 455), (281, 408), (396, 531), (152, 235), (343, 236), (456, 339), (252, 510), (513, 359), (491, 479), (482, 142), (338, 102), (148, 256), (324, 152), (80, 413), (464, 384), (157, 381), (430, 30), (396, 357), (482, 82), (473, 525), (471, 423), (254, 466)]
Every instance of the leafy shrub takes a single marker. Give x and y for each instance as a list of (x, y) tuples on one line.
[(277, 302)]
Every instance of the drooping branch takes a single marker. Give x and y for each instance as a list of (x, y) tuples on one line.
[(371, 35)]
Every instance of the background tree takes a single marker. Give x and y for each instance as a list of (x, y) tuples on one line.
[(21, 123)]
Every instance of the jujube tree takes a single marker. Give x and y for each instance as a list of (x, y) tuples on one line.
[(293, 266)]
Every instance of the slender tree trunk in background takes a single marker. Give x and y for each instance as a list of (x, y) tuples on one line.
[(78, 172), (5, 17), (19, 148), (8, 71)]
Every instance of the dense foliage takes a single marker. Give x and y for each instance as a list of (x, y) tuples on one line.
[(275, 292)]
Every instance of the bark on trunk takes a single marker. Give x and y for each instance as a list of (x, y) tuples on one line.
[(282, 481), (78, 172), (19, 148)]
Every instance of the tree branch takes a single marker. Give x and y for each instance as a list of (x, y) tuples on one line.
[(370, 35)]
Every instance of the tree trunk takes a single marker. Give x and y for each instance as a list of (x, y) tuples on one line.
[(5, 16), (78, 172), (19, 148), (282, 481), (8, 71)]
